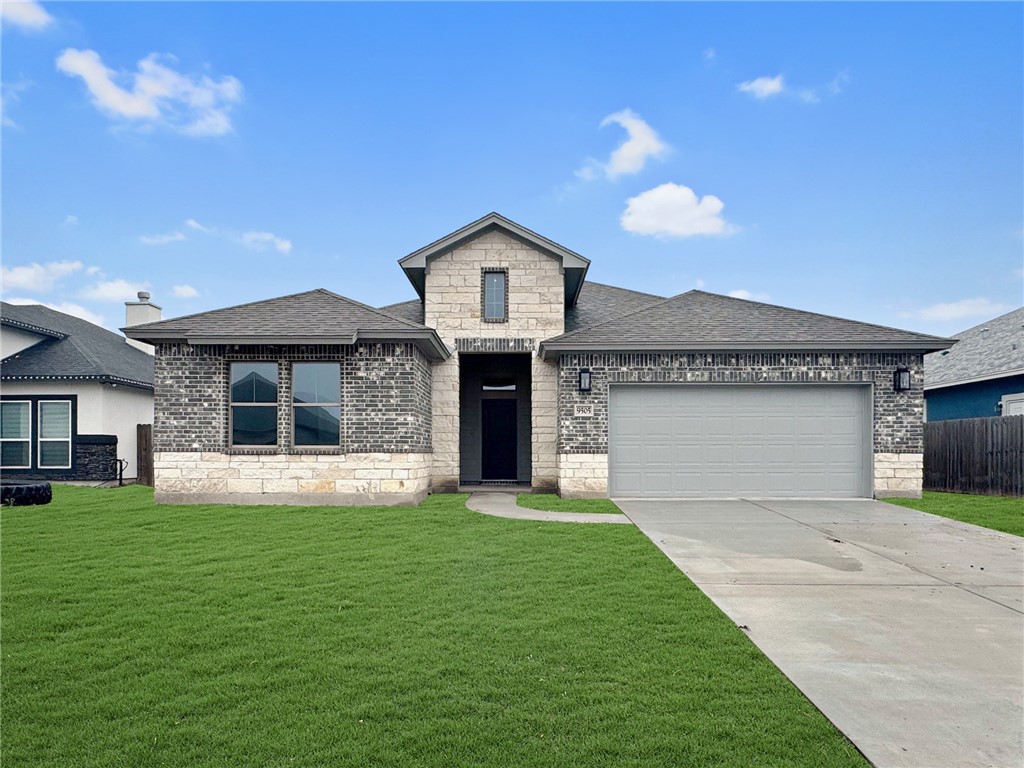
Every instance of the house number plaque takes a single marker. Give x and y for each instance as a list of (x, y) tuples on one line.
[(585, 410)]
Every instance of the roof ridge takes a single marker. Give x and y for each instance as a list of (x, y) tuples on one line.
[(221, 309), (989, 322), (818, 314), (372, 309), (628, 290), (622, 316)]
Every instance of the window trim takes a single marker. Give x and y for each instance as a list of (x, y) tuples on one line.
[(276, 405), (294, 406), (40, 439), (21, 439), (483, 295)]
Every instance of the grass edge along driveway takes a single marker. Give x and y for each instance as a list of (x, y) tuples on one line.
[(1000, 513), (136, 634)]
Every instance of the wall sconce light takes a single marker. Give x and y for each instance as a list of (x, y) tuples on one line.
[(901, 379), (584, 379)]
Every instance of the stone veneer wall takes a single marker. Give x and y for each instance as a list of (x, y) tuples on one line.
[(536, 311), (898, 417), (385, 430)]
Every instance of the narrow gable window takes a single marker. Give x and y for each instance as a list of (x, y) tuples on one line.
[(495, 295), (254, 403), (316, 398)]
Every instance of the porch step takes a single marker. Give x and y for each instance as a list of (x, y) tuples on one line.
[(509, 487)]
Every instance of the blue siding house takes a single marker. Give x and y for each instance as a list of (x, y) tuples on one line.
[(981, 375)]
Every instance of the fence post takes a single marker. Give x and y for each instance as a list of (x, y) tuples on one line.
[(144, 453)]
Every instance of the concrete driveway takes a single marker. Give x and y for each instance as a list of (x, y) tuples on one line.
[(905, 629)]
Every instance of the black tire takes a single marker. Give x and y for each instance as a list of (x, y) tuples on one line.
[(25, 494)]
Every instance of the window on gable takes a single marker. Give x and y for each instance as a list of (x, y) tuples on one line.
[(316, 404), (495, 298), (254, 403), (15, 434)]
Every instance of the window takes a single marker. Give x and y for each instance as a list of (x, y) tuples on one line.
[(15, 434), (495, 296), (54, 434), (316, 404), (254, 403)]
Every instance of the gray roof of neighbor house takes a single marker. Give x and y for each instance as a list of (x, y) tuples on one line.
[(597, 302), (313, 317), (987, 351), (72, 349), (701, 321)]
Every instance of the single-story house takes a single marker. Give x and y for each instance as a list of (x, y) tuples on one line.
[(981, 375), (510, 367), (71, 395)]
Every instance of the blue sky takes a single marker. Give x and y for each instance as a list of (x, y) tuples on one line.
[(864, 160)]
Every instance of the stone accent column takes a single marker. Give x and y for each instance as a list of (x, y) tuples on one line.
[(445, 406), (899, 474), (544, 424)]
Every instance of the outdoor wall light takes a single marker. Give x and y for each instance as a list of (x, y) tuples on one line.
[(901, 379), (584, 379)]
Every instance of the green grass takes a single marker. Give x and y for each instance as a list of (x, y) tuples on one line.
[(1000, 513), (138, 635), (552, 502)]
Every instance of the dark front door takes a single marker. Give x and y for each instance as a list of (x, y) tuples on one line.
[(498, 443)]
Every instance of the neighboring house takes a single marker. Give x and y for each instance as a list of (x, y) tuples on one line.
[(511, 368), (981, 375), (71, 395)]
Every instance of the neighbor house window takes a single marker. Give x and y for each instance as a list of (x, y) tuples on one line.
[(54, 434), (316, 404), (254, 403), (495, 295), (15, 434)]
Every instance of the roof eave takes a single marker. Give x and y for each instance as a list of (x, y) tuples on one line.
[(32, 328), (972, 379), (551, 349), (98, 378)]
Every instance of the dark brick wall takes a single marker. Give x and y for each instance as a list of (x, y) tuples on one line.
[(386, 403), (898, 416)]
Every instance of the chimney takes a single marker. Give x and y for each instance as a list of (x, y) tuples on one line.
[(139, 312)]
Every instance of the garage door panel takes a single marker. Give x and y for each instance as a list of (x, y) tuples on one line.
[(734, 440)]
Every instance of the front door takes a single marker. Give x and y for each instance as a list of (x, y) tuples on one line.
[(498, 443)]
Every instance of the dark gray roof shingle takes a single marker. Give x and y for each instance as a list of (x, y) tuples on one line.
[(74, 349), (598, 302), (701, 320), (986, 351), (407, 310)]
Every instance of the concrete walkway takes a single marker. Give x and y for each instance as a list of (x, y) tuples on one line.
[(905, 629), (504, 505)]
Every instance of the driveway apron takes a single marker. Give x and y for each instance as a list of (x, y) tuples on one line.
[(905, 629)]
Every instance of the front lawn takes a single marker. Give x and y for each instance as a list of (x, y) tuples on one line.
[(552, 502), (1000, 513), (139, 635)]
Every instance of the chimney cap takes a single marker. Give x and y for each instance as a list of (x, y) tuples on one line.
[(144, 296)]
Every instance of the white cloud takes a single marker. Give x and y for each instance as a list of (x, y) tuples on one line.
[(260, 241), (159, 95), (10, 93), (808, 95), (113, 290), (672, 210), (173, 237), (642, 142), (185, 292), (710, 54), (66, 307), (25, 14), (742, 293), (38, 278), (70, 220), (193, 224), (93, 271), (957, 310), (763, 87), (838, 83)]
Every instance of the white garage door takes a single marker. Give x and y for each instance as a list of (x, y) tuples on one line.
[(729, 441)]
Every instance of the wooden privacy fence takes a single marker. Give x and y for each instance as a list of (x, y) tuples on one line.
[(980, 456), (144, 453)]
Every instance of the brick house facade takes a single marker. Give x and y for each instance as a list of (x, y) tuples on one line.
[(479, 379)]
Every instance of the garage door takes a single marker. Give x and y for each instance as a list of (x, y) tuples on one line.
[(729, 441)]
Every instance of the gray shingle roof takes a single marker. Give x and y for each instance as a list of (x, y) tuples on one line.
[(986, 351), (697, 320), (313, 317), (407, 310), (74, 349)]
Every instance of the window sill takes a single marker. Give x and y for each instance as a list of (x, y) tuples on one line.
[(495, 319)]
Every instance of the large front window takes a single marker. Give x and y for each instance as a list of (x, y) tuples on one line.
[(54, 434), (254, 403), (316, 398), (16, 434)]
